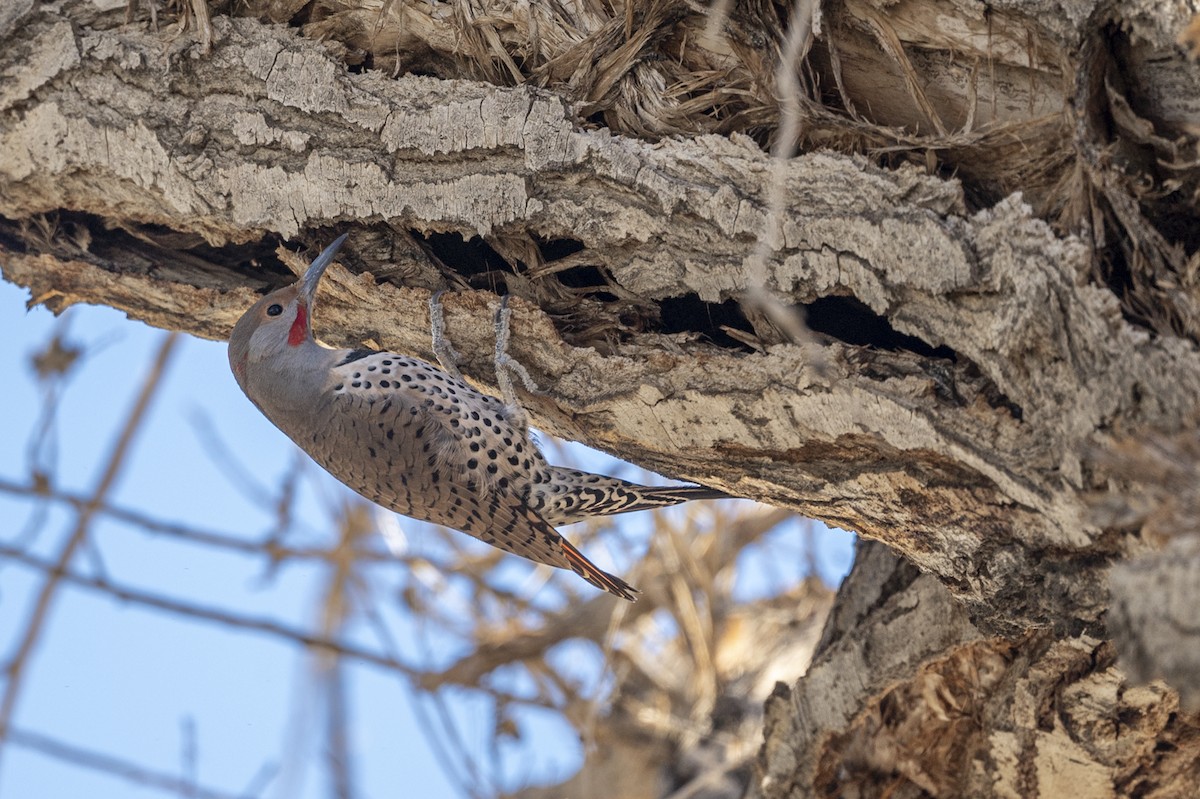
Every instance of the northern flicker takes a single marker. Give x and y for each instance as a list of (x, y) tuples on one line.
[(421, 441)]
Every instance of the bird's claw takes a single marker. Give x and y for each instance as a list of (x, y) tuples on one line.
[(506, 366), (445, 352)]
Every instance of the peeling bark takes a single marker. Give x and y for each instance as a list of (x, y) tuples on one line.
[(939, 709), (973, 356)]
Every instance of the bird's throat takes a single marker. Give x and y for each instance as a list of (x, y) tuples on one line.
[(299, 331)]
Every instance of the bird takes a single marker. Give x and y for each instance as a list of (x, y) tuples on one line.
[(421, 441)]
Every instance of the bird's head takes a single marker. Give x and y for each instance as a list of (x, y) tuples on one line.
[(280, 321)]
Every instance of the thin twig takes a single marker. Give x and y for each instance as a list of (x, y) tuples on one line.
[(107, 764), (440, 753), (36, 624), (451, 742), (341, 767), (187, 729), (801, 30), (174, 606), (355, 525), (710, 777), (242, 479), (219, 540)]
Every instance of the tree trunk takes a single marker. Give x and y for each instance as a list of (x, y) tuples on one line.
[(974, 352)]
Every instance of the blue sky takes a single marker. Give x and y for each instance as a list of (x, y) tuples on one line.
[(148, 687)]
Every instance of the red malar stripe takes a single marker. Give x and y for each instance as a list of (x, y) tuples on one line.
[(299, 330)]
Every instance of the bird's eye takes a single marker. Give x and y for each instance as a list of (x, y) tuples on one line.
[(275, 310)]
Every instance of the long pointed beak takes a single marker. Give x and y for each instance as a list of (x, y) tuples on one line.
[(312, 276)]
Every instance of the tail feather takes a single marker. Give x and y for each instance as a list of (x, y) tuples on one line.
[(569, 495), (595, 575), (650, 498)]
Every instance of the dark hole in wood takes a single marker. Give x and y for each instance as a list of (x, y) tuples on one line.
[(849, 320), (691, 314), (557, 249)]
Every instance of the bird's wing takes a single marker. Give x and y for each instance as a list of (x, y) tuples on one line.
[(414, 439)]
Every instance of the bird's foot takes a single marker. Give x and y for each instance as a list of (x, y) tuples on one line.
[(507, 366), (445, 352)]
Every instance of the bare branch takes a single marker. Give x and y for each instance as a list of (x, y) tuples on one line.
[(203, 613), (132, 772), (36, 624), (220, 540)]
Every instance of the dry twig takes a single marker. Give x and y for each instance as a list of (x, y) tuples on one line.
[(35, 627)]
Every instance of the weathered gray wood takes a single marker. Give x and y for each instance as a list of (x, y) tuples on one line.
[(906, 696), (276, 137), (1155, 617)]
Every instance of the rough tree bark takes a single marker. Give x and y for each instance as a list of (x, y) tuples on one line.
[(976, 348)]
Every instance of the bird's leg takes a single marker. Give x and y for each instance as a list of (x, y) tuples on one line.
[(442, 348), (506, 366)]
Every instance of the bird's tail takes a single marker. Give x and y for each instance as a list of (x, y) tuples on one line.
[(571, 495), (650, 497)]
